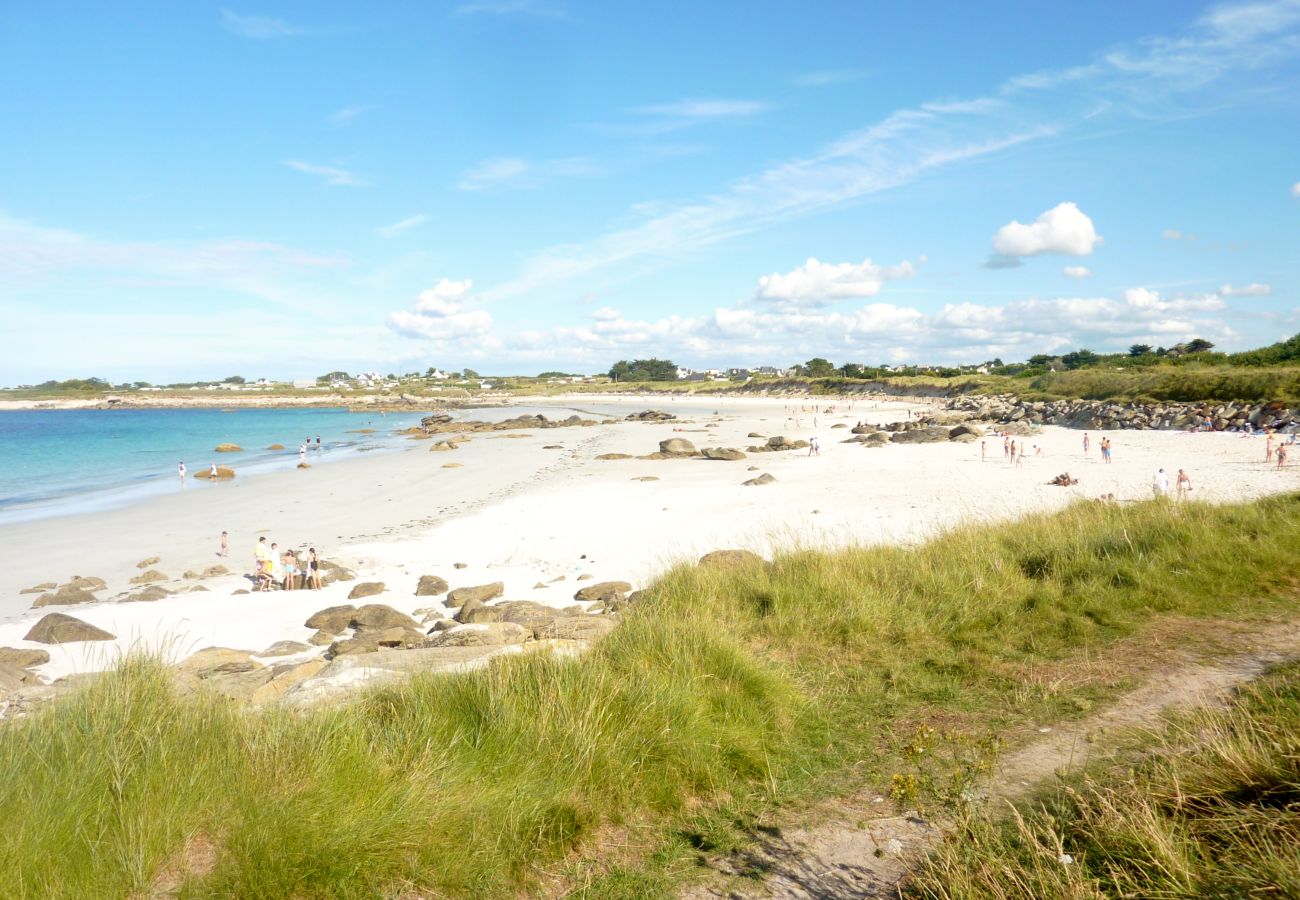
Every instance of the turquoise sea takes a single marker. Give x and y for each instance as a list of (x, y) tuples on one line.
[(57, 461)]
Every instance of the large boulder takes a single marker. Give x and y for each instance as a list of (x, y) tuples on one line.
[(677, 447), (87, 583), (482, 593), (284, 648), (730, 559), (494, 634), (229, 448), (765, 478), (218, 660), (378, 616), (57, 628), (576, 628), (370, 640), (22, 657), (727, 453), (928, 435), (13, 678), (431, 586), (332, 620), (366, 589), (65, 596), (222, 472), (605, 590), (962, 430), (148, 594), (152, 576)]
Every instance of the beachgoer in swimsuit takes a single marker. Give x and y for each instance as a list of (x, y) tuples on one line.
[(225, 545), (313, 566), (1184, 484)]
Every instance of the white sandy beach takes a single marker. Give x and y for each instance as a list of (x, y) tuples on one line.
[(517, 513)]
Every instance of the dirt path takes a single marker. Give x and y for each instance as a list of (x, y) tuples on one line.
[(859, 852)]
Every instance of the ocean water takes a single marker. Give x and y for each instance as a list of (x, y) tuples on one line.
[(58, 461), (64, 461)]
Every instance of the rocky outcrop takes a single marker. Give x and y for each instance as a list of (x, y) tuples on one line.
[(153, 576), (57, 628), (778, 444), (431, 586), (650, 415), (443, 423), (65, 596), (730, 559), (603, 591), (229, 448), (1107, 415), (674, 447), (149, 594), (615, 456), (493, 634), (376, 616), (765, 478), (146, 563), (23, 658), (366, 589), (332, 619), (725, 453), (482, 593)]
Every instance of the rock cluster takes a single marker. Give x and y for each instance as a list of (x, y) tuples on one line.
[(650, 415), (442, 423), (1104, 415), (778, 444)]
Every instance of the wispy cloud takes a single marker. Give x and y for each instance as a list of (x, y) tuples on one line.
[(910, 143), (344, 115), (703, 109), (1246, 290), (826, 77), (332, 175), (1295, 190), (259, 28), (517, 172), (530, 8), (402, 225)]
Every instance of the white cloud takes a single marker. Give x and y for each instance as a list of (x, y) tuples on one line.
[(704, 109), (402, 225), (1064, 229), (817, 283), (260, 28), (343, 115), (1295, 190), (1076, 272), (528, 8), (1246, 290), (440, 314), (517, 172), (826, 77), (332, 175), (1173, 234)]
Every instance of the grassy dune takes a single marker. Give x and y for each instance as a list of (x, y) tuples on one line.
[(722, 696), (1212, 809)]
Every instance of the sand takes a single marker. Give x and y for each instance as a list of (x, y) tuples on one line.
[(517, 513)]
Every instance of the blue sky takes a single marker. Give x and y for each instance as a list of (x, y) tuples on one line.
[(192, 191)]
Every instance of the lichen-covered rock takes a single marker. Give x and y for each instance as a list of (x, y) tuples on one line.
[(481, 593)]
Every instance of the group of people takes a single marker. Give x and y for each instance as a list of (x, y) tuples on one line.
[(1280, 452), (1160, 484), (1011, 451), (286, 569)]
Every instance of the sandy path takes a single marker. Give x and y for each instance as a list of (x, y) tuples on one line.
[(861, 853)]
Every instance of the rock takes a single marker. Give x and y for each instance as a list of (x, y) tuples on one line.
[(87, 584), (304, 465), (495, 634), (285, 648), (460, 565), (215, 660), (468, 609), (366, 589), (576, 628), (275, 447), (222, 472), (481, 593), (14, 677), (150, 594), (757, 436), (332, 572), (443, 625), (215, 572), (727, 453), (190, 575), (39, 588), (23, 658), (765, 478), (239, 685), (430, 586), (614, 456), (646, 478), (240, 591), (146, 563), (374, 639), (730, 559), (198, 587), (284, 679), (552, 447), (442, 447), (677, 447), (650, 415), (332, 619), (605, 590), (584, 578), (928, 435), (840, 425), (376, 615), (229, 448), (961, 430), (65, 596), (321, 639)]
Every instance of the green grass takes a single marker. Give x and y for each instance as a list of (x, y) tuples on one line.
[(722, 698), (1212, 809)]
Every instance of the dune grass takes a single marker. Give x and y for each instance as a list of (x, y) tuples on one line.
[(723, 695), (1212, 809)]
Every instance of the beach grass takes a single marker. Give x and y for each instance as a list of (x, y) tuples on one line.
[(1209, 806), (724, 697)]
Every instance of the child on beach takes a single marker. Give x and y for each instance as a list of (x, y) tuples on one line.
[(225, 545)]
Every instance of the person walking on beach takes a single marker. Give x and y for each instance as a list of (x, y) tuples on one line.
[(1268, 447), (1160, 485), (1184, 484), (225, 545), (1006, 449), (212, 470), (302, 453), (984, 445), (1087, 443), (1105, 450), (1281, 456), (181, 471)]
